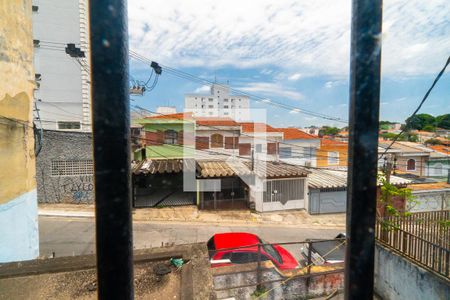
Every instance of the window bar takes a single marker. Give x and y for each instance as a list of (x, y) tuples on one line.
[(111, 131), (363, 143)]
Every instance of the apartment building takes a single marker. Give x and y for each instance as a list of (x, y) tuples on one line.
[(218, 103), (62, 93)]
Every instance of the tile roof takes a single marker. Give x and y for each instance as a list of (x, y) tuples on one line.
[(256, 127), (332, 142), (177, 116), (440, 148), (295, 134), (215, 121), (213, 169)]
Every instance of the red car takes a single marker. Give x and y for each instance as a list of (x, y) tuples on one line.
[(221, 255)]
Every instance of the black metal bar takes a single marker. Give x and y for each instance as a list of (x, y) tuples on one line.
[(111, 129), (363, 144), (258, 270)]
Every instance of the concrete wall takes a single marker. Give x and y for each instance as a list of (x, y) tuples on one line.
[(228, 279), (430, 200), (19, 239), (64, 146), (398, 278)]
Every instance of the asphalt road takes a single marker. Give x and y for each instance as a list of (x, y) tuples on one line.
[(74, 236)]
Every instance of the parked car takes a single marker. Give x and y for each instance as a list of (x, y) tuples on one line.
[(247, 243), (325, 252)]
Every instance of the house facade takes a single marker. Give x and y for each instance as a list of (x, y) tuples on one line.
[(167, 136), (260, 185), (411, 158), (332, 153), (260, 139), (298, 147)]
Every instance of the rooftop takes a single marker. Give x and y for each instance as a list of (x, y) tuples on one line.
[(215, 121), (429, 186), (295, 134), (213, 169), (329, 142), (440, 148), (329, 179), (257, 127)]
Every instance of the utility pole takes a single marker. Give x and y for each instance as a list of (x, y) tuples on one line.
[(365, 62)]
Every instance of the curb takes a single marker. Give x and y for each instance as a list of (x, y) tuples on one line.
[(58, 213)]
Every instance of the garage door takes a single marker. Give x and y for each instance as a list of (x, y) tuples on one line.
[(323, 202)]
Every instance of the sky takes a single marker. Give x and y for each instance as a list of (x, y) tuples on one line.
[(295, 52)]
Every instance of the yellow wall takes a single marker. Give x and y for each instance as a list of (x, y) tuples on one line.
[(323, 153), (17, 162)]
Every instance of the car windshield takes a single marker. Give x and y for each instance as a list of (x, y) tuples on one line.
[(272, 252)]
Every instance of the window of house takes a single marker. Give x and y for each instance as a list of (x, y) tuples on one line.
[(210, 106), (285, 152), (226, 106), (438, 169), (225, 100), (210, 99), (216, 140), (226, 113), (170, 137), (333, 158), (411, 165), (258, 148), (67, 125)]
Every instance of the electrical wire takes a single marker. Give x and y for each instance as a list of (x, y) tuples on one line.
[(418, 108), (264, 100)]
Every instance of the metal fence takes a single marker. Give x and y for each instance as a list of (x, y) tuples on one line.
[(422, 237)]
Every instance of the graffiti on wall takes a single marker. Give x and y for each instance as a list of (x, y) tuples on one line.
[(78, 188), (72, 189)]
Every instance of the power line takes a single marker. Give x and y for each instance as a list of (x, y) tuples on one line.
[(418, 107), (264, 100)]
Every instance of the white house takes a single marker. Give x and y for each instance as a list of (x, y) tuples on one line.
[(298, 147)]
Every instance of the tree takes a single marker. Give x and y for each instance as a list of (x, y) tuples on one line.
[(420, 121), (443, 121), (430, 128), (327, 130)]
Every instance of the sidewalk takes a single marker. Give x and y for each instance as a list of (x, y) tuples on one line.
[(191, 214)]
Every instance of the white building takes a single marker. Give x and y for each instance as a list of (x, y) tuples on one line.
[(63, 88), (218, 103)]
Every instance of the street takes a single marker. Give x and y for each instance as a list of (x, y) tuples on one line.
[(75, 236)]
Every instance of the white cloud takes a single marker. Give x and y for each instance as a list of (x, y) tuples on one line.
[(202, 89), (312, 36), (266, 71), (332, 84), (295, 77), (295, 111), (269, 88)]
